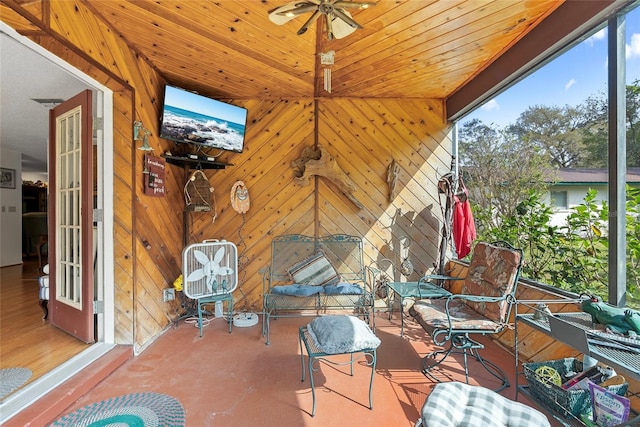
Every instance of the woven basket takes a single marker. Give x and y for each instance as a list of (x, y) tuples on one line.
[(565, 402)]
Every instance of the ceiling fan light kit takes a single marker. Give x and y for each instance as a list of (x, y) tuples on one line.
[(338, 20)]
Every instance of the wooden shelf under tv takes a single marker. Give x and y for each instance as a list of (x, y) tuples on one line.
[(195, 163)]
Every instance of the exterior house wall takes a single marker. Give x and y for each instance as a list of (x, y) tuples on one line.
[(575, 196)]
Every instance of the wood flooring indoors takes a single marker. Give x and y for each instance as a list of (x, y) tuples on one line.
[(26, 340)]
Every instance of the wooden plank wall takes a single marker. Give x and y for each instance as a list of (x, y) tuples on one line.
[(364, 137)]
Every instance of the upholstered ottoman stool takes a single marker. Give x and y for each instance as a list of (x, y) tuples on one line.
[(457, 404), (328, 336)]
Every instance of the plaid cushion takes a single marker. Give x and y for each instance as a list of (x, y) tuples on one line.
[(315, 270), (456, 404)]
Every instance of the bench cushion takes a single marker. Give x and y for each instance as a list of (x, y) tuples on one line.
[(456, 404), (341, 334), (297, 290), (315, 270), (343, 288)]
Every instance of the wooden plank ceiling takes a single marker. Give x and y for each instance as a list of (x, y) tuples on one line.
[(407, 48)]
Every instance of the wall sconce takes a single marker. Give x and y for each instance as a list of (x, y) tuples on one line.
[(137, 128)]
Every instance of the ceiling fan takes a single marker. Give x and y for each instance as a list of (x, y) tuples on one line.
[(338, 20)]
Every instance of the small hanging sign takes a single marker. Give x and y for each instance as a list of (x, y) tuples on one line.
[(154, 176)]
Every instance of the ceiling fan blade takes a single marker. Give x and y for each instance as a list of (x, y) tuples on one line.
[(308, 7), (278, 15), (353, 4), (340, 28), (310, 21), (346, 17), (329, 22)]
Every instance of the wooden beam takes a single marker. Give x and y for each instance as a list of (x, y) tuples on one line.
[(570, 21)]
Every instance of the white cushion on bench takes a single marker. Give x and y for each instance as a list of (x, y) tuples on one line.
[(315, 270)]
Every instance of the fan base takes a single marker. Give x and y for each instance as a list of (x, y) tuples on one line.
[(244, 320)]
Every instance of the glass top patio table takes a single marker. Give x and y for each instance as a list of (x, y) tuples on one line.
[(423, 288)]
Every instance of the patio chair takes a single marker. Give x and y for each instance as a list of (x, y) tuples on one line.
[(482, 308)]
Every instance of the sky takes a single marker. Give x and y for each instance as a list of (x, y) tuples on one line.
[(567, 80)]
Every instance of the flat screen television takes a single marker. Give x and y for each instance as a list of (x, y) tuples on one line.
[(195, 119)]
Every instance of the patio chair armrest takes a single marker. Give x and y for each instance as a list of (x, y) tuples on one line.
[(266, 279), (476, 298)]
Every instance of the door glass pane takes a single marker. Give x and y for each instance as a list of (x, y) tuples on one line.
[(69, 278)]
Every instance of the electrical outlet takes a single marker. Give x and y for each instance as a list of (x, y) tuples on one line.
[(169, 294)]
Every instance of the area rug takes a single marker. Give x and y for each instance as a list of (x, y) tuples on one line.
[(11, 379), (133, 410)]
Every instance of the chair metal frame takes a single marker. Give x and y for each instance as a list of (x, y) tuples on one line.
[(459, 340)]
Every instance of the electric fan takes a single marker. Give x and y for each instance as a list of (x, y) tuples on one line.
[(210, 274)]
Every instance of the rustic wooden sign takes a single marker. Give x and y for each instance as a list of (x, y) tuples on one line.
[(154, 176)]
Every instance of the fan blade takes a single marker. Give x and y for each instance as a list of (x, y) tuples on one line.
[(299, 10), (353, 4), (201, 257), (278, 15), (195, 275), (328, 19), (310, 21), (218, 256), (344, 15), (341, 29)]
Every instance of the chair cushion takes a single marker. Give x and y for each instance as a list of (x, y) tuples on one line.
[(492, 272), (432, 315), (315, 270), (457, 404), (338, 334)]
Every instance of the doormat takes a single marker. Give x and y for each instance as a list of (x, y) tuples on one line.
[(132, 410), (11, 379)]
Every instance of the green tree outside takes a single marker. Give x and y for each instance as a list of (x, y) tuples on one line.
[(508, 170)]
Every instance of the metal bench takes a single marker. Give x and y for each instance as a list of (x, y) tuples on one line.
[(343, 252)]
